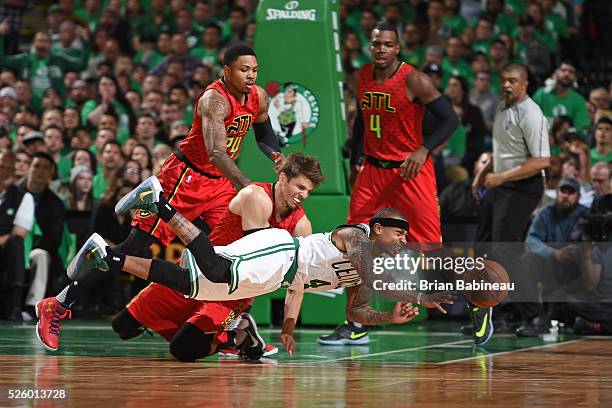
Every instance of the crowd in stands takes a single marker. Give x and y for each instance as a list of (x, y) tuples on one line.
[(106, 89)]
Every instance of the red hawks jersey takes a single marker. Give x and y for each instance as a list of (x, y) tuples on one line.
[(392, 124), (229, 227), (237, 123)]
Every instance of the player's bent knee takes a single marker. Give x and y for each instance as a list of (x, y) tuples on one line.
[(126, 325), (190, 343)]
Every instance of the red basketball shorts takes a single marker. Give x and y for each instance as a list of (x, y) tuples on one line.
[(191, 193), (417, 199), (165, 310)]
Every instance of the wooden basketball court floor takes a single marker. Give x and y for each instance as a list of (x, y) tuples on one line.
[(425, 365)]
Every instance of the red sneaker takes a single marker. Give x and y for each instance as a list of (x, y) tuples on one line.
[(50, 314), (233, 352)]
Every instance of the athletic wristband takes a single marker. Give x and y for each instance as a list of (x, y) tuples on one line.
[(164, 209)]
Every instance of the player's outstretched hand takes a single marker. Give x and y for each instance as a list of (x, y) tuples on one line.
[(436, 299), (411, 167), (404, 312), (288, 342), (279, 159)]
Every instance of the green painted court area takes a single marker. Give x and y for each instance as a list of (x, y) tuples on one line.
[(422, 343)]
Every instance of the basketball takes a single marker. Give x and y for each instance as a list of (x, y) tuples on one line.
[(486, 287)]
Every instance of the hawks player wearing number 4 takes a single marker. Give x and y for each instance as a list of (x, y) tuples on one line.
[(397, 172), (198, 177)]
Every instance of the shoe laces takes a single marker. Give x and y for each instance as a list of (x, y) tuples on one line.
[(59, 314)]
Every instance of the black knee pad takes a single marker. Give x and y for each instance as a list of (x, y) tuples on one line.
[(190, 343), (126, 325), (215, 268), (137, 244)]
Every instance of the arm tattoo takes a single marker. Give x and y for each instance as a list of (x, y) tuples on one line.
[(184, 229), (358, 310), (214, 110), (359, 251)]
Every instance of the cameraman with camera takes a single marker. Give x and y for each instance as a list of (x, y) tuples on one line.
[(594, 305)]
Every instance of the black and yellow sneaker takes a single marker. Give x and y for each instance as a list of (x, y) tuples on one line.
[(482, 320), (345, 335)]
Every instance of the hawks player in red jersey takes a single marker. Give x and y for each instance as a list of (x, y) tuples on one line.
[(398, 171), (195, 328), (199, 175)]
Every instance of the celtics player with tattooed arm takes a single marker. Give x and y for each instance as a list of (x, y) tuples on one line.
[(259, 263)]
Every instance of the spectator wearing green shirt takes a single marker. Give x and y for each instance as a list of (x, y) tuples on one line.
[(235, 27), (555, 24), (180, 95), (393, 15), (542, 34), (208, 52), (78, 94), (184, 25), (438, 32), (602, 152), (499, 56), (353, 56), (102, 137), (516, 7), (90, 12), (483, 34), (453, 63), (109, 99), (562, 99), (54, 140), (148, 54), (412, 51), (202, 14), (73, 44), (503, 22), (452, 18), (111, 160), (368, 21), (42, 69), (527, 45), (158, 21), (454, 151)]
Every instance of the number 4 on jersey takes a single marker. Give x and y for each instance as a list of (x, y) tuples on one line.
[(375, 125), (316, 283)]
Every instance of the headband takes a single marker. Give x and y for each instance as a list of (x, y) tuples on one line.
[(390, 222)]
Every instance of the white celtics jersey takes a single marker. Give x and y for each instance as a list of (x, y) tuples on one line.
[(322, 266)]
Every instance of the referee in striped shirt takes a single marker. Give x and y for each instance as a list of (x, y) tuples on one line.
[(514, 177)]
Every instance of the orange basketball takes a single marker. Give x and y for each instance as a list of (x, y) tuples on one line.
[(480, 288)]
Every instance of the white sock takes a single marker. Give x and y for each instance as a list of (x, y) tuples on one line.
[(358, 325), (62, 295)]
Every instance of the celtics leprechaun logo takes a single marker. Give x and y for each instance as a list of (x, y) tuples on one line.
[(294, 112)]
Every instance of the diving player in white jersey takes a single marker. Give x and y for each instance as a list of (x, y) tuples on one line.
[(262, 262)]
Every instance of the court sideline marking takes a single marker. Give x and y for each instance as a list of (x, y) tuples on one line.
[(500, 353)]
